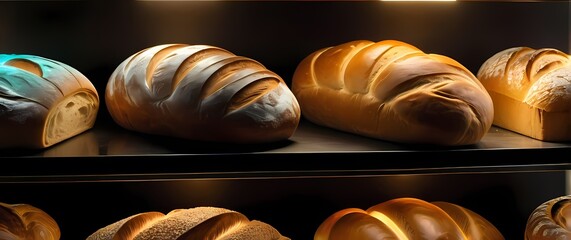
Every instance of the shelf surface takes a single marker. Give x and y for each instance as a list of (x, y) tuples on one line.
[(109, 152)]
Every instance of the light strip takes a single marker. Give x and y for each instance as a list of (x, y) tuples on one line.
[(389, 222), (418, 0)]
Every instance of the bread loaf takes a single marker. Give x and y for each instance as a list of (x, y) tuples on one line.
[(531, 91), (203, 93), (407, 219), (43, 102), (393, 91), (25, 222), (194, 223), (550, 220)]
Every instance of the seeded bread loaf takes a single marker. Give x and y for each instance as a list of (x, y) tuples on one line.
[(193, 223)]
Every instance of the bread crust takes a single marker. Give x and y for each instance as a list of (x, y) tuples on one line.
[(393, 91), (192, 223), (202, 93), (43, 101), (550, 220), (24, 221), (407, 219), (531, 91)]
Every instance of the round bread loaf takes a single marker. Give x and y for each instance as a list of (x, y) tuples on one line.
[(550, 220), (43, 102), (407, 219), (203, 93), (193, 223), (393, 91), (25, 222), (531, 91)]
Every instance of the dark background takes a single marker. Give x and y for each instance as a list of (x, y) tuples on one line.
[(95, 36), (295, 206)]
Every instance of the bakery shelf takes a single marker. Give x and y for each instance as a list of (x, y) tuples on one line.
[(109, 152), (295, 205), (278, 34), (108, 173)]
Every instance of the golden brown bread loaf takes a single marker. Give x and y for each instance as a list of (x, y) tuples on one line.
[(393, 91), (550, 220), (43, 102), (194, 223), (25, 222), (203, 93), (531, 91), (407, 219)]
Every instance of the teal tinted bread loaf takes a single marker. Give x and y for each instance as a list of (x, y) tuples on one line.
[(43, 101)]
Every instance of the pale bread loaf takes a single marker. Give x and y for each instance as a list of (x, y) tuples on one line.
[(407, 219), (550, 221), (393, 91), (194, 223), (43, 101), (26, 222), (203, 93), (531, 91)]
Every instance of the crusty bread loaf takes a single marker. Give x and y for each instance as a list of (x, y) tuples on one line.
[(25, 222), (43, 102), (393, 91), (531, 91), (550, 220), (407, 219), (203, 93), (194, 223)]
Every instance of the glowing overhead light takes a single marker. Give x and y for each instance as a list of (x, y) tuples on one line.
[(418, 0)]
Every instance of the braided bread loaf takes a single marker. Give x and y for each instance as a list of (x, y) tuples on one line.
[(25, 222), (550, 220), (393, 91), (193, 223), (43, 102), (201, 93), (531, 91), (407, 218)]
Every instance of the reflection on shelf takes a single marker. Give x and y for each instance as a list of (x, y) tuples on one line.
[(84, 144), (112, 140)]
